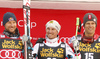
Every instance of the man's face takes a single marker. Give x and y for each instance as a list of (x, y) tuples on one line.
[(51, 32), (90, 27), (10, 26)]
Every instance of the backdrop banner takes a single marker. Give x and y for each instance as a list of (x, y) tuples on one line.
[(39, 17)]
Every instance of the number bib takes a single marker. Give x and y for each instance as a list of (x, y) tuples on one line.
[(10, 49), (90, 51), (46, 52)]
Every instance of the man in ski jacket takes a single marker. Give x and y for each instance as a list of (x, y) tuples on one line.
[(88, 43), (10, 40), (52, 47)]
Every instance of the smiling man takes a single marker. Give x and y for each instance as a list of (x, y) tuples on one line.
[(89, 41), (10, 40), (52, 47), (10, 24), (90, 24)]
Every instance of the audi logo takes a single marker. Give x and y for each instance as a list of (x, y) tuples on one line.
[(16, 54), (65, 39)]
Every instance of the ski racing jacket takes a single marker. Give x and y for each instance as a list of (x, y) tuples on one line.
[(10, 46), (52, 49), (88, 51)]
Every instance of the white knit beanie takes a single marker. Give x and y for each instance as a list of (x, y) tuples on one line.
[(54, 24)]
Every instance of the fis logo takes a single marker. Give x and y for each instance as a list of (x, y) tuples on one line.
[(2, 36), (63, 45), (41, 45)]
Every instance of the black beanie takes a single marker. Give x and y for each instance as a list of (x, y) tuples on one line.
[(8, 17), (89, 17)]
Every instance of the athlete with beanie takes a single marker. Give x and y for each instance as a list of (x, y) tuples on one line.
[(10, 40), (88, 43), (10, 24), (52, 47)]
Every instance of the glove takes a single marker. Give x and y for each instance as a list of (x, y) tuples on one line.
[(75, 44), (24, 38), (29, 48), (69, 56), (40, 40), (34, 56)]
